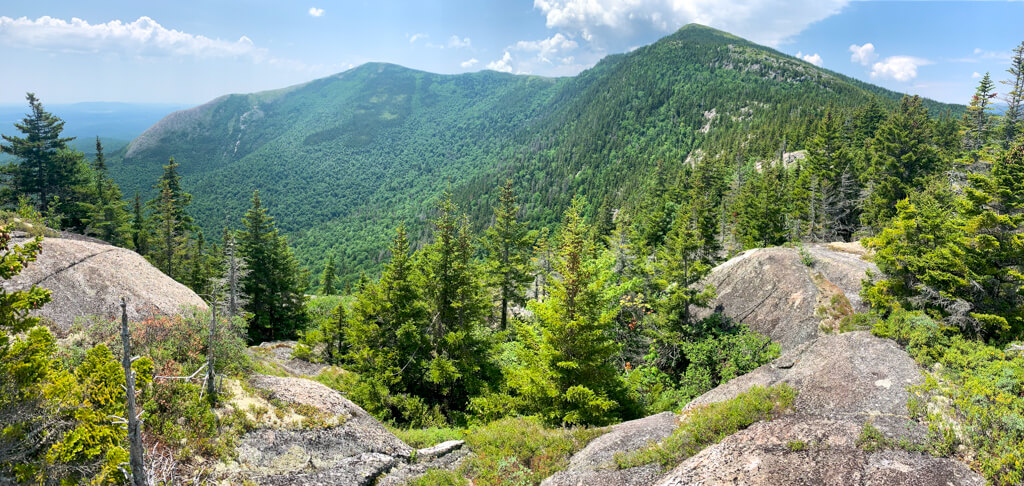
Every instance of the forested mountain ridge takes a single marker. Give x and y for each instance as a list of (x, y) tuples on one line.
[(341, 160)]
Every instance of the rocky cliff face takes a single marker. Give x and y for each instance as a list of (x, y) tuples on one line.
[(843, 380), (87, 277)]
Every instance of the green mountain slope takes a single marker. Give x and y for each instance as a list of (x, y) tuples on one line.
[(342, 160)]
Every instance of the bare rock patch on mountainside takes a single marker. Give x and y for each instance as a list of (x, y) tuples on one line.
[(87, 277)]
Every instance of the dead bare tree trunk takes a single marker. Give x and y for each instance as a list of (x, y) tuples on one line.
[(210, 375), (136, 452)]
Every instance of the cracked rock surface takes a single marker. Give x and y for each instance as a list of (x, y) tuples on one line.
[(360, 451), (773, 292), (87, 277)]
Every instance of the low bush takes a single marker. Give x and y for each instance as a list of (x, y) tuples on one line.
[(521, 451), (982, 385), (709, 425)]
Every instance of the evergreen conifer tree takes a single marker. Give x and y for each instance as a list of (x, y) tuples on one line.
[(171, 220), (40, 171), (508, 253), (579, 383), (270, 284), (978, 123), (458, 367), (108, 218), (1013, 117), (903, 155), (327, 278)]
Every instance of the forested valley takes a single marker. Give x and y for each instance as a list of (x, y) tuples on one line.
[(539, 285)]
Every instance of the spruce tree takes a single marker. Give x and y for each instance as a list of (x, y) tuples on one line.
[(508, 253), (994, 207), (1013, 117), (903, 155), (171, 220), (579, 383), (386, 335), (978, 123), (327, 278), (39, 171), (140, 229), (108, 218), (761, 208), (270, 284), (458, 367)]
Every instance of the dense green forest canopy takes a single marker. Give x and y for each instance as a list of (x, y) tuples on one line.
[(343, 160)]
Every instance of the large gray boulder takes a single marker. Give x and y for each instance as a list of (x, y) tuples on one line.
[(843, 382), (359, 451), (776, 293), (87, 277), (594, 464), (762, 455), (848, 373)]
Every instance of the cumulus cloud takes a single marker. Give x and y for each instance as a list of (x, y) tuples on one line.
[(143, 37), (546, 48), (863, 55), (811, 58), (415, 37), (502, 65), (975, 75), (316, 12), (457, 43), (900, 68), (469, 63), (765, 21)]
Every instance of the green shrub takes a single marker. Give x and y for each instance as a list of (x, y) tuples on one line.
[(439, 477), (521, 450), (983, 385), (709, 425), (858, 322), (871, 439), (796, 445)]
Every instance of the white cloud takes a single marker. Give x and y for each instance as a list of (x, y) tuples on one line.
[(811, 58), (503, 65), (455, 42), (143, 37), (864, 54), (469, 63), (546, 48), (900, 68), (415, 37), (765, 21), (316, 12), (975, 75)]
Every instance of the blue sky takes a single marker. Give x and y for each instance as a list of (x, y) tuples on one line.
[(190, 51)]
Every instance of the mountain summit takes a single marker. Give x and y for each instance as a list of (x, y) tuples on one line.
[(341, 160)]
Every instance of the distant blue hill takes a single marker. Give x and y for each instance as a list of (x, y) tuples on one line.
[(115, 123)]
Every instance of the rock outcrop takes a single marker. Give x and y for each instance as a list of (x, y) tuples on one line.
[(843, 381), (776, 293), (87, 277), (359, 451)]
